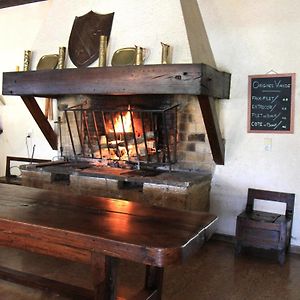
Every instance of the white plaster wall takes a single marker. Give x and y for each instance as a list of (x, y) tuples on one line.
[(142, 23), (247, 38), (18, 29)]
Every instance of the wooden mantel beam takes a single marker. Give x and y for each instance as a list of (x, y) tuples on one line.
[(41, 120), (176, 79)]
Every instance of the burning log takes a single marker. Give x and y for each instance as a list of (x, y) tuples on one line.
[(126, 149)]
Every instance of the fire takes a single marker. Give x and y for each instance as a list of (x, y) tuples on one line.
[(124, 143), (126, 122)]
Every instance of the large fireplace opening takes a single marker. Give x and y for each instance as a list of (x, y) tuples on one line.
[(133, 147), (127, 136)]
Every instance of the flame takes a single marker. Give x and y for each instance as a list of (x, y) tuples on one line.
[(126, 121)]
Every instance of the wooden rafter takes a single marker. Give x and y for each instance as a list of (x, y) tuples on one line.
[(41, 120), (210, 119)]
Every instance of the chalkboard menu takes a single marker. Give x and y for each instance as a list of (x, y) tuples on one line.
[(271, 103)]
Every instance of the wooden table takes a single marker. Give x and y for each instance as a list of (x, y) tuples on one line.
[(98, 231)]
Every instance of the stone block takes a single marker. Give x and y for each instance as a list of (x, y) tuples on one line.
[(94, 186), (194, 197), (35, 179), (196, 137), (165, 195), (191, 147)]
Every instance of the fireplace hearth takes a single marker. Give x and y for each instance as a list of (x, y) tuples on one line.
[(178, 190)]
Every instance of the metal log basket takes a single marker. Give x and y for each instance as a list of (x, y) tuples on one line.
[(141, 137)]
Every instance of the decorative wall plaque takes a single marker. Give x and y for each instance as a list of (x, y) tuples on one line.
[(84, 37)]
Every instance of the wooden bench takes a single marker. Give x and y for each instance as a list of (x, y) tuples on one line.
[(98, 231)]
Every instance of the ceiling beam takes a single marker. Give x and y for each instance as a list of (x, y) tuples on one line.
[(8, 3)]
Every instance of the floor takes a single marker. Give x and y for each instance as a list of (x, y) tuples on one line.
[(213, 274)]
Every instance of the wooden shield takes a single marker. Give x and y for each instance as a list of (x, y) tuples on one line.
[(84, 37)]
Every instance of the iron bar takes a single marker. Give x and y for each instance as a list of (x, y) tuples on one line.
[(115, 135), (166, 137), (88, 132), (160, 136), (77, 105), (118, 110), (134, 137), (79, 134), (175, 135), (144, 135), (82, 124), (155, 136), (97, 133), (70, 133), (61, 148), (105, 132), (125, 137)]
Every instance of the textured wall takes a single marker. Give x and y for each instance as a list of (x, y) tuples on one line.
[(247, 38)]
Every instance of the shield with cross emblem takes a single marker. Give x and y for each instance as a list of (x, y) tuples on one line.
[(84, 37)]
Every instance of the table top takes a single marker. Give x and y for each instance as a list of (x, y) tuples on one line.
[(50, 222)]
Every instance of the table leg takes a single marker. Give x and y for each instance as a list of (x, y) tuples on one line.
[(104, 270), (154, 280)]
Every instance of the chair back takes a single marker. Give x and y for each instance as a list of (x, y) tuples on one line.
[(287, 198)]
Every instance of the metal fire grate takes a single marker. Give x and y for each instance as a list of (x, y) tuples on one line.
[(133, 135)]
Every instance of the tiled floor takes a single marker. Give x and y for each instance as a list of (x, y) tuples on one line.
[(213, 274)]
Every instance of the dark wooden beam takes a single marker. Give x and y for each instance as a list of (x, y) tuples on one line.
[(210, 119), (41, 120), (185, 79), (8, 3)]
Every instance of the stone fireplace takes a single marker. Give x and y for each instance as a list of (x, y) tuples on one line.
[(181, 183)]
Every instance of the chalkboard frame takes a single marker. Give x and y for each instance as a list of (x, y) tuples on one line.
[(292, 103)]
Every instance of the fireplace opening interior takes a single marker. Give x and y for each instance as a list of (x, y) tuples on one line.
[(137, 147), (125, 134)]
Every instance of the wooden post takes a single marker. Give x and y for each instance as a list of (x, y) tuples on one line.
[(104, 270), (154, 280)]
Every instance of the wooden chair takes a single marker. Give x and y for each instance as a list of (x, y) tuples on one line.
[(265, 230)]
